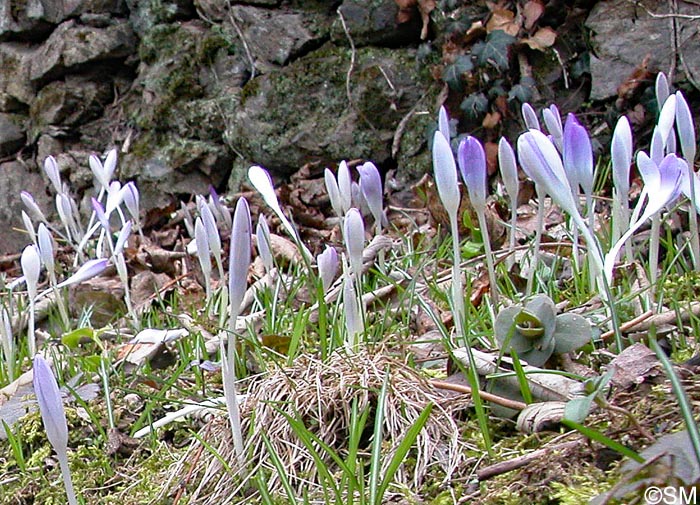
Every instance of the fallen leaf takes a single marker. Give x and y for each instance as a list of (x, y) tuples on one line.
[(532, 11), (542, 39), (502, 19), (491, 120), (638, 79)]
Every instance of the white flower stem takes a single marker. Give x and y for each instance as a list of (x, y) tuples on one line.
[(67, 480), (481, 215), (538, 240)]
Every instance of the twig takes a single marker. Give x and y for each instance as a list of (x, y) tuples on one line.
[(631, 324), (248, 54), (520, 461), (460, 388), (646, 320), (348, 75)]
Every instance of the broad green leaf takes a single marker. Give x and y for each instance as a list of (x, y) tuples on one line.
[(73, 338), (494, 50)]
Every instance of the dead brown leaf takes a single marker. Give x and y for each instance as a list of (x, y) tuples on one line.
[(407, 9), (532, 11), (491, 120), (503, 19), (542, 39), (638, 79)]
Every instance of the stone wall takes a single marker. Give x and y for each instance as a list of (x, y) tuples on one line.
[(193, 91)]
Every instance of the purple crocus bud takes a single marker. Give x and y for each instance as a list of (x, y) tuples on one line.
[(212, 232), (103, 173), (29, 227), (621, 152), (345, 185), (187, 219), (508, 167), (471, 160), (354, 233), (661, 88), (50, 403), (327, 263), (123, 236), (31, 268), (686, 129), (666, 118), (371, 186), (45, 243), (656, 147), (203, 252), (530, 117), (358, 199), (220, 211), (577, 155), (88, 270), (260, 179), (444, 123), (52, 172), (130, 196), (262, 236), (445, 174), (32, 207), (48, 396), (552, 119), (333, 192), (353, 318), (541, 162), (65, 212), (239, 258)]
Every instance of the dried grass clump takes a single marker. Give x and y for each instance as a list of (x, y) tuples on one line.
[(322, 394)]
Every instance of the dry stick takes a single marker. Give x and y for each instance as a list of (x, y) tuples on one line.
[(520, 461), (646, 320), (505, 402)]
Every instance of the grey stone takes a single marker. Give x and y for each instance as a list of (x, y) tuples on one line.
[(71, 102), (374, 22), (72, 47), (16, 177), (145, 14), (28, 19), (277, 36), (303, 113), (12, 133), (15, 84), (623, 35)]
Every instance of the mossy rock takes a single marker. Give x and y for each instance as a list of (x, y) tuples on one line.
[(304, 113)]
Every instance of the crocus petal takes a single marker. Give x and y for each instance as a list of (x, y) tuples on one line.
[(98, 171), (203, 253), (552, 119), (667, 118), (508, 167), (29, 227), (262, 235), (354, 232), (327, 263), (530, 117), (685, 184), (578, 155), (260, 179), (88, 270), (100, 214), (45, 243), (110, 164), (445, 174), (371, 186), (32, 207), (345, 185), (333, 192), (621, 153), (131, 197), (239, 258), (471, 160), (353, 320), (122, 238), (48, 396), (444, 123), (31, 268), (212, 232), (52, 172), (114, 197), (661, 89), (686, 128)]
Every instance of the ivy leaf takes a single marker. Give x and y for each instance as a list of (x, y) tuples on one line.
[(474, 105), (453, 73), (494, 50)]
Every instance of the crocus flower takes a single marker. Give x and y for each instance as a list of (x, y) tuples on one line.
[(621, 154), (53, 416), (509, 174), (88, 270), (445, 174), (64, 207), (122, 238), (578, 156), (353, 317), (665, 180), (661, 88), (212, 233), (327, 263), (203, 253), (132, 198), (345, 185), (667, 117), (472, 164), (8, 343), (239, 259), (32, 207), (444, 123), (333, 193), (354, 234), (31, 268), (220, 211), (52, 172), (686, 128), (529, 117), (45, 243), (262, 235), (103, 173), (371, 186), (29, 227), (260, 179)]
